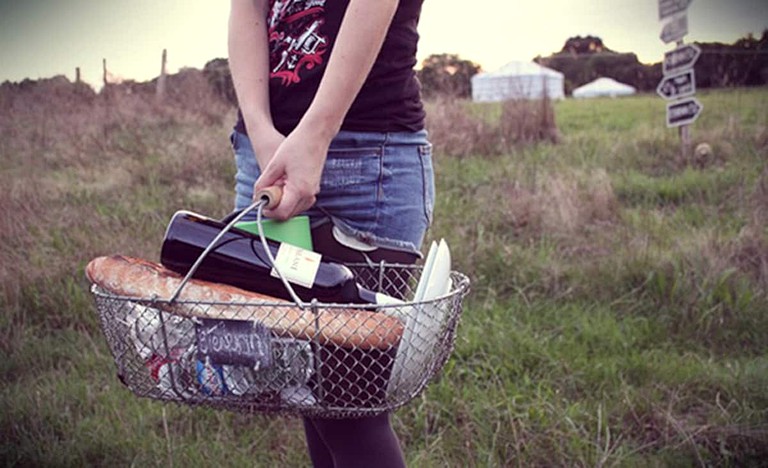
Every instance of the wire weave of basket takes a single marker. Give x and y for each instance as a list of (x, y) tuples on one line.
[(160, 355)]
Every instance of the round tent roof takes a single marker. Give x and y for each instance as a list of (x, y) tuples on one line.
[(523, 69), (518, 80), (603, 87)]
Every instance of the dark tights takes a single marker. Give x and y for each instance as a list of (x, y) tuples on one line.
[(366, 442), (360, 442)]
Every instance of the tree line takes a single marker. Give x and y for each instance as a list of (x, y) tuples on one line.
[(581, 60), (584, 59)]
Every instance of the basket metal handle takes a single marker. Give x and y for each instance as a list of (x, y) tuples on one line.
[(267, 198)]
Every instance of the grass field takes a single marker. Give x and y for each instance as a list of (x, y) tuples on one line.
[(619, 305)]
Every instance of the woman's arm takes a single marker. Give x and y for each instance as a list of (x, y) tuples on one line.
[(298, 162), (249, 65), (358, 43)]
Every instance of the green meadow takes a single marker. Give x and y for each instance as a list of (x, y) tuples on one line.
[(618, 313)]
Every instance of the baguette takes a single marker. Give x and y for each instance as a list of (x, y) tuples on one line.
[(145, 280)]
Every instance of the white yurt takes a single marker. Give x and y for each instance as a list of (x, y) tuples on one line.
[(518, 80), (603, 87)]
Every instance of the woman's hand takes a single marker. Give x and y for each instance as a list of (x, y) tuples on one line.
[(297, 166)]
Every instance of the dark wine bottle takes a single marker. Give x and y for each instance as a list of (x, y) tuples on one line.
[(239, 259)]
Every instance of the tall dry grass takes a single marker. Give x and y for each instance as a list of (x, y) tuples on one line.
[(614, 211), (457, 129), (618, 308), (76, 166)]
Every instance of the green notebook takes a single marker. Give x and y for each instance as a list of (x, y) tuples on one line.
[(294, 231)]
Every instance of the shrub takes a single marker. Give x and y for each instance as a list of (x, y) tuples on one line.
[(458, 131)]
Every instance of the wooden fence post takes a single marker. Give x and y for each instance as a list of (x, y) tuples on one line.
[(160, 92)]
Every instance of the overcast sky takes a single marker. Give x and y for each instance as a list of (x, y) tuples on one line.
[(43, 38)]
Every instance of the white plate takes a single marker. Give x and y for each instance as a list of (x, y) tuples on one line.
[(425, 271), (423, 323), (438, 283)]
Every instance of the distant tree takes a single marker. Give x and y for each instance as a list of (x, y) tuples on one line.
[(447, 75), (744, 63), (583, 59), (57, 87), (584, 45), (219, 77)]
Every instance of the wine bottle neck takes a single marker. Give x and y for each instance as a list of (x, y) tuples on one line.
[(366, 295), (376, 298)]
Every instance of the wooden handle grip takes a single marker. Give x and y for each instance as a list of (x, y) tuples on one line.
[(271, 194)]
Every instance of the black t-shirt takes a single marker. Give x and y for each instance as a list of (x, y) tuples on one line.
[(301, 37)]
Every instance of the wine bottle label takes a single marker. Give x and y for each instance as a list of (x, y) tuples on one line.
[(297, 265)]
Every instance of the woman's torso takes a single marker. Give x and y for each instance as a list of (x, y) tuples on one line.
[(301, 37)]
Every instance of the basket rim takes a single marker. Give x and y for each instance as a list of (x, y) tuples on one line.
[(460, 288), (404, 389)]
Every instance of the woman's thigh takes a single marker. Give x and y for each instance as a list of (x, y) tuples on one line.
[(375, 187)]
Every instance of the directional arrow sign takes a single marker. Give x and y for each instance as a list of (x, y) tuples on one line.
[(683, 112), (677, 86), (675, 29), (668, 8), (681, 58)]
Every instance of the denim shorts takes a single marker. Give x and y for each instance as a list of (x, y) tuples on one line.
[(376, 187)]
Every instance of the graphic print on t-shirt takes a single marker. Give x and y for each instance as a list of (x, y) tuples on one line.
[(295, 41)]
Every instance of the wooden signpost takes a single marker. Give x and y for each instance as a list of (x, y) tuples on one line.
[(675, 29), (682, 113), (681, 58), (678, 85), (668, 8)]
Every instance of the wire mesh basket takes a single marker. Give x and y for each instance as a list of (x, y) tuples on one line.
[(244, 366), (172, 357)]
